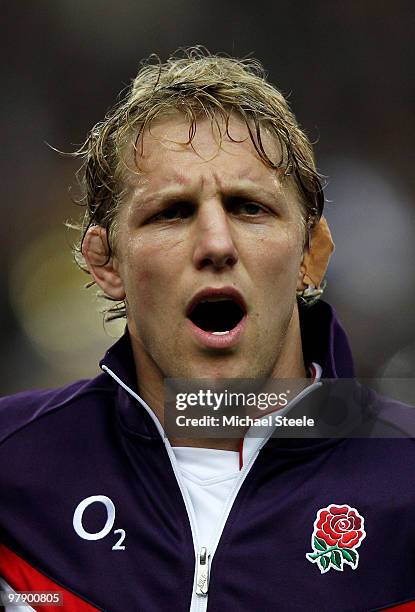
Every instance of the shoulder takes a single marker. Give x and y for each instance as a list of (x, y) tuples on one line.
[(392, 418), (24, 409), (359, 411)]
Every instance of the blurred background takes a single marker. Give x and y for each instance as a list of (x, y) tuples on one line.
[(348, 68)]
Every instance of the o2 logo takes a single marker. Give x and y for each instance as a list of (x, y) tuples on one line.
[(109, 524)]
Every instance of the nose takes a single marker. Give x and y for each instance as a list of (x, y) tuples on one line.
[(214, 244)]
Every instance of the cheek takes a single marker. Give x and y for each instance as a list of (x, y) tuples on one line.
[(279, 256), (148, 270)]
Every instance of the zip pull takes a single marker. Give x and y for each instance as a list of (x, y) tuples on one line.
[(202, 576)]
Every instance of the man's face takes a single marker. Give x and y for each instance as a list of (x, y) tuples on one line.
[(208, 248)]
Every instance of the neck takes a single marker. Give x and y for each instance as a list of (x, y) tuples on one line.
[(290, 361)]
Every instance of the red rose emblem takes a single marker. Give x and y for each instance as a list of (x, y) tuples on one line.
[(340, 525)]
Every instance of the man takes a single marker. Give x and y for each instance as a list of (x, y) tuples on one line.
[(203, 225)]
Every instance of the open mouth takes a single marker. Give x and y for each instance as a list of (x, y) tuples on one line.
[(217, 315)]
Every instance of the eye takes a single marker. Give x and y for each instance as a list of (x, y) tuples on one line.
[(240, 206), (175, 212)]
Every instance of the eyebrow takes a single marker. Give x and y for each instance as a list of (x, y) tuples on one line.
[(251, 187), (240, 188)]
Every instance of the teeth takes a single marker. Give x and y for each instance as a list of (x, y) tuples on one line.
[(220, 333), (217, 299)]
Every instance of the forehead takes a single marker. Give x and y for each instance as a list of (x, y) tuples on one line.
[(165, 153)]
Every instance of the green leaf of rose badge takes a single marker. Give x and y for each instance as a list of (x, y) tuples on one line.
[(338, 531)]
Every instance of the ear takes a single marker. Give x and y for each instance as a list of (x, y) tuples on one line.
[(103, 269), (301, 286), (316, 256)]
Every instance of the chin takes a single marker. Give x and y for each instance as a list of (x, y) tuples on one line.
[(222, 370)]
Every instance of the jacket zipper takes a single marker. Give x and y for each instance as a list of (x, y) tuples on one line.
[(202, 572)]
